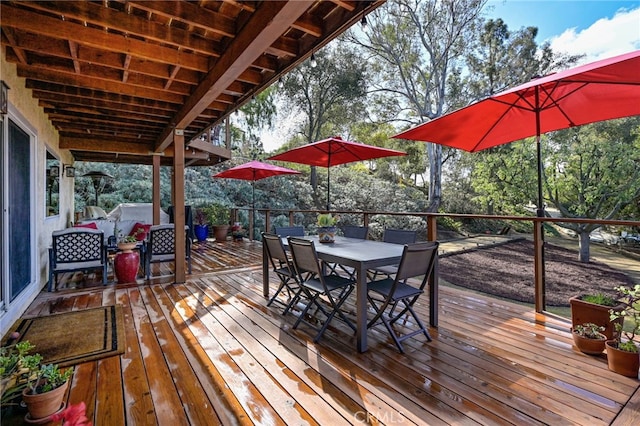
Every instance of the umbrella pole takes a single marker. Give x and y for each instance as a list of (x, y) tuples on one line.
[(538, 240), (328, 205)]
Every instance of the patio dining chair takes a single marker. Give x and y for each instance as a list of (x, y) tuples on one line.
[(326, 293), (290, 231), (394, 298), (283, 267), (160, 246), (394, 236), (76, 249)]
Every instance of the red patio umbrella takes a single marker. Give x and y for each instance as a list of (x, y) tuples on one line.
[(332, 152), (253, 171), (597, 91)]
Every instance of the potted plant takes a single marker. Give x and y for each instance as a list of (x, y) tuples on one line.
[(219, 216), (127, 261), (14, 362), (594, 309), (622, 352), (46, 388), (327, 227), (201, 229), (588, 338), (237, 232)]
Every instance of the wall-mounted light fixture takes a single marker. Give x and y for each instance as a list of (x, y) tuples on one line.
[(54, 171), (68, 170), (4, 98)]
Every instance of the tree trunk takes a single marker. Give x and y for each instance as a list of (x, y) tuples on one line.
[(434, 152), (583, 247)]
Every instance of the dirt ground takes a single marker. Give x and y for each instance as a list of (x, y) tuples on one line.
[(507, 271)]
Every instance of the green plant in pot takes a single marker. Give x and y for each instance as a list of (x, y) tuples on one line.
[(201, 228), (588, 338), (14, 362), (622, 352), (220, 216), (46, 388), (327, 227), (594, 309)]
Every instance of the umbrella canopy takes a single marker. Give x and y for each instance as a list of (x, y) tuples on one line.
[(598, 91), (253, 171), (332, 152)]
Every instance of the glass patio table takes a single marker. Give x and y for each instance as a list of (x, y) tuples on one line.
[(361, 255)]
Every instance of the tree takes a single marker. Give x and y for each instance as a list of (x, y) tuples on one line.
[(594, 173), (417, 47), (329, 95)]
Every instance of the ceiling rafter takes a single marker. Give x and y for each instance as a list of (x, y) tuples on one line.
[(121, 75)]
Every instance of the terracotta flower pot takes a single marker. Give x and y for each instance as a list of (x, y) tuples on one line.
[(622, 362), (220, 232), (43, 405), (587, 345), (584, 312)]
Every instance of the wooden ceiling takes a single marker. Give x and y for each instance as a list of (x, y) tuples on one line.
[(117, 77)]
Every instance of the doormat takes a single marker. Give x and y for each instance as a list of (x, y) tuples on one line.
[(75, 337)]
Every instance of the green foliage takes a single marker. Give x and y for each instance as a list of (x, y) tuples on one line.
[(599, 299), (218, 214), (630, 298), (326, 219), (590, 330), (14, 368)]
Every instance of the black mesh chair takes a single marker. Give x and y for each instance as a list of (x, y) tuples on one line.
[(290, 231), (393, 298), (326, 293), (283, 267), (160, 246), (352, 231), (394, 236), (76, 249)]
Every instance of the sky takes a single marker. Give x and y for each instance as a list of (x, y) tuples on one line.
[(597, 28)]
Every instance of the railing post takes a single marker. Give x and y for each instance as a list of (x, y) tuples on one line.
[(291, 218), (267, 221), (432, 235), (251, 222), (365, 219)]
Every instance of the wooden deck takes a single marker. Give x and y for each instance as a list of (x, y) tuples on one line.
[(210, 352)]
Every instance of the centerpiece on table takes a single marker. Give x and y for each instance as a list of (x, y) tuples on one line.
[(327, 227)]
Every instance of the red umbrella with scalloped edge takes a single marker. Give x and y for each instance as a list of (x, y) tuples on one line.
[(332, 152)]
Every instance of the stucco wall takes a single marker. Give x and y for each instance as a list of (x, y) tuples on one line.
[(23, 108)]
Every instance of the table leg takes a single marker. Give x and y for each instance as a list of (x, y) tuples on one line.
[(361, 309)]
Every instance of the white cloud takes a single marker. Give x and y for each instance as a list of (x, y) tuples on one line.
[(604, 39)]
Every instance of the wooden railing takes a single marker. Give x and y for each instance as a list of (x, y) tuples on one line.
[(431, 232)]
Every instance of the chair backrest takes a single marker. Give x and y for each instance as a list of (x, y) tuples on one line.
[(76, 245), (417, 260), (352, 231), (275, 249), (399, 236), (162, 240), (305, 258), (188, 219), (290, 231)]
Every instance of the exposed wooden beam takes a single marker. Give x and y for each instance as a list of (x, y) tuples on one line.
[(262, 30), (132, 25), (65, 30)]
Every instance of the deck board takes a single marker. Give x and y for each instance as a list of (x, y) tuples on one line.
[(209, 351)]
